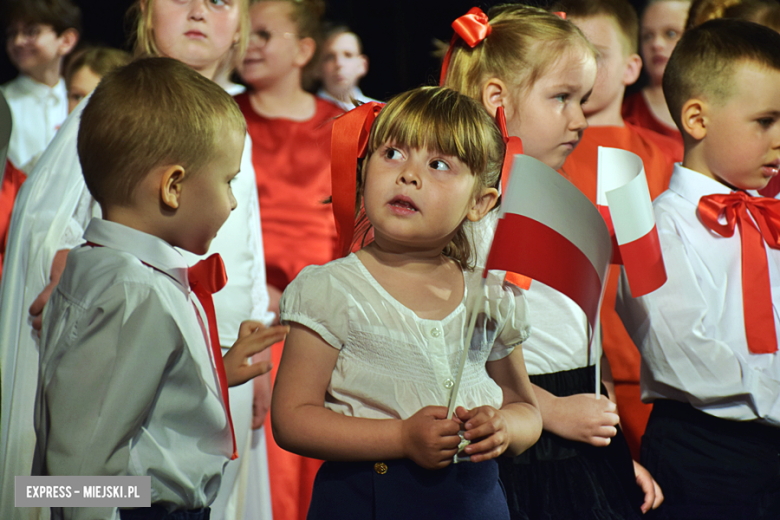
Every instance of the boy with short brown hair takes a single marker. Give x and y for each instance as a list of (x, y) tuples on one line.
[(709, 336)]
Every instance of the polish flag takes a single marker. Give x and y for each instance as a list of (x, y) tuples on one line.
[(623, 199), (549, 231)]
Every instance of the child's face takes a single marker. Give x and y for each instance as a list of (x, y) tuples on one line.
[(548, 117), (342, 63), (207, 197), (741, 147), (603, 33), (199, 33), (662, 25), (274, 51), (416, 198), (33, 47), (81, 83)]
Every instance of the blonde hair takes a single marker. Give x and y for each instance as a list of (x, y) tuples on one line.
[(620, 11), (144, 45), (704, 60), (524, 43), (100, 60), (153, 112), (764, 12), (441, 119)]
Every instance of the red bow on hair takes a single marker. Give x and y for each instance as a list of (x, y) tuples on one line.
[(207, 277), (348, 144), (472, 27), (756, 290)]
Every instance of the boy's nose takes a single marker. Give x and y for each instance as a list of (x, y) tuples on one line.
[(197, 9)]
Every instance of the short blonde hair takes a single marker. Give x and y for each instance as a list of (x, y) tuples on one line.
[(144, 45), (620, 11), (100, 60), (704, 60), (441, 119), (153, 112), (524, 43)]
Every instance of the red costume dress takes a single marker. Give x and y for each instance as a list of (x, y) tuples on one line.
[(637, 112), (292, 166), (581, 169), (12, 181)]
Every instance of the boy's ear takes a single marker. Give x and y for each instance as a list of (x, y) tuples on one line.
[(483, 203), (633, 68), (68, 40), (171, 186), (695, 118), (306, 48), (364, 68), (494, 94)]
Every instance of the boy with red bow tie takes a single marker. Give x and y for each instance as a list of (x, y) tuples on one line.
[(709, 336), (131, 377)]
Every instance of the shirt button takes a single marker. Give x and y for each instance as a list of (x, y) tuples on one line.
[(380, 467), (448, 383), (435, 333)]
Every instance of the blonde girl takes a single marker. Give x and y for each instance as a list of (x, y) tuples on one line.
[(54, 207), (540, 69), (367, 370)]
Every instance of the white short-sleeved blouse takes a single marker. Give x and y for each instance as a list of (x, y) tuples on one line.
[(392, 363)]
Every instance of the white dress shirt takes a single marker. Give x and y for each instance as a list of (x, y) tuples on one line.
[(392, 363), (356, 95), (691, 331), (38, 110), (127, 383), (51, 211)]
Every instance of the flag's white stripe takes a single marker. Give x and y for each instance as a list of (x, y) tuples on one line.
[(577, 219), (616, 168), (631, 210)]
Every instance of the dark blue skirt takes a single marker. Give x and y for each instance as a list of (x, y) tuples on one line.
[(402, 490), (559, 479)]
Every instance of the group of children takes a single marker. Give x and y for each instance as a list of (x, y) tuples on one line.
[(160, 167)]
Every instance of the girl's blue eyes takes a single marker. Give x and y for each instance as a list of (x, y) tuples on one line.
[(439, 165), (218, 3)]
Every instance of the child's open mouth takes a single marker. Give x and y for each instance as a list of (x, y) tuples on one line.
[(403, 204)]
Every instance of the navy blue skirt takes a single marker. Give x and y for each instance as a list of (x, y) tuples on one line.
[(402, 490)]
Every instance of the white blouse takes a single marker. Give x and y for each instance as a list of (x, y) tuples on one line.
[(392, 363)]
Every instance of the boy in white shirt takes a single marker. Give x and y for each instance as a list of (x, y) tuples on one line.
[(709, 336), (341, 68), (39, 34), (131, 378)]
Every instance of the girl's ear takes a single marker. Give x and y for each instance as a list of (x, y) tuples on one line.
[(171, 186), (483, 203), (495, 93), (695, 118), (306, 48)]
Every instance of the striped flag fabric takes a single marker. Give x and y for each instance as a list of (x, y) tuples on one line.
[(623, 199)]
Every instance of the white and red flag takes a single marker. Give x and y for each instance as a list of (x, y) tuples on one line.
[(623, 199)]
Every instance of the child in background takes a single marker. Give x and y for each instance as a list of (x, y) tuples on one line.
[(342, 65), (708, 336), (612, 27), (662, 24), (541, 69), (125, 303), (290, 130), (367, 372), (54, 207), (38, 36), (87, 67)]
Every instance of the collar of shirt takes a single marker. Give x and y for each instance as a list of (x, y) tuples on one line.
[(149, 249), (692, 185), (41, 90)]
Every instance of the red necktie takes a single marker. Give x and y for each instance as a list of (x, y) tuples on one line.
[(207, 277), (756, 289)]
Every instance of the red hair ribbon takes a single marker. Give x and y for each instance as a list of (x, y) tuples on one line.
[(472, 27), (207, 277), (514, 146), (756, 290), (348, 144), (560, 14)]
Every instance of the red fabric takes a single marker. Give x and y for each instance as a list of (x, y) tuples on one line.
[(637, 112), (12, 182), (581, 168), (472, 28), (207, 277), (292, 166), (756, 289)]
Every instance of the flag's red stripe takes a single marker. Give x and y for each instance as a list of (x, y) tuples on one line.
[(526, 246), (644, 264), (616, 258)]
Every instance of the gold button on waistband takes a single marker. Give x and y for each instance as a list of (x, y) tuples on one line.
[(380, 467)]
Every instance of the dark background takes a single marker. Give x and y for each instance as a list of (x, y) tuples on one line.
[(397, 35)]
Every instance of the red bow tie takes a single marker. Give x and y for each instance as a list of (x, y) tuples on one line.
[(207, 277), (756, 289)]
